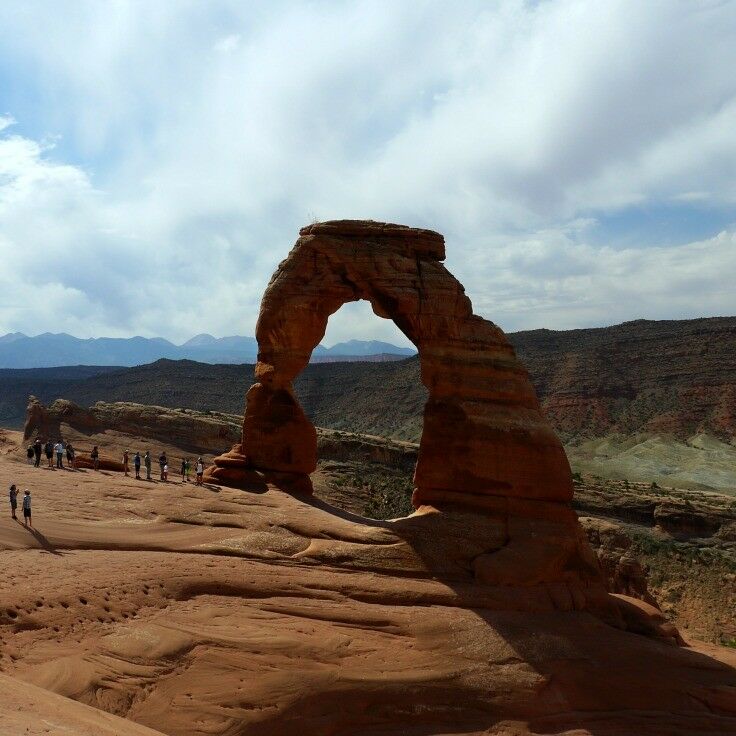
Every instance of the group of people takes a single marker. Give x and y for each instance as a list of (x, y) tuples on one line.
[(38, 448), (163, 463), (50, 449)]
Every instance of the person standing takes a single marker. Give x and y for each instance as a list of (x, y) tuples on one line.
[(147, 461), (200, 471), (126, 466), (165, 473), (137, 465), (27, 509), (37, 450), (95, 455), (13, 501), (187, 466), (70, 456), (48, 449), (29, 454), (59, 449), (183, 470), (162, 462)]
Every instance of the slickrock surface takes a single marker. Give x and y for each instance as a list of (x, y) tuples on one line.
[(33, 711), (220, 611), (675, 544)]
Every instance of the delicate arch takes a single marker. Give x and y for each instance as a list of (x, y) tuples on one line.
[(484, 434)]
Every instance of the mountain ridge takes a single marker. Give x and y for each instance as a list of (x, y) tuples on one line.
[(49, 350), (669, 377)]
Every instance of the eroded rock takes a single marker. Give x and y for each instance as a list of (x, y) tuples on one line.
[(484, 434)]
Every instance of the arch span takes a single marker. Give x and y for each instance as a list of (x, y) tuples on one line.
[(484, 434)]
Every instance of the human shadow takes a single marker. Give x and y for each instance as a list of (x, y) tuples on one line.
[(43, 541)]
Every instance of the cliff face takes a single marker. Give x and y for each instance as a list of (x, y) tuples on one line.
[(120, 425), (675, 377)]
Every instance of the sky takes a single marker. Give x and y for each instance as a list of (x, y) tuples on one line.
[(157, 159)]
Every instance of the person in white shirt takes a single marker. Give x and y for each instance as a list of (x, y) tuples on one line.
[(200, 470), (59, 448)]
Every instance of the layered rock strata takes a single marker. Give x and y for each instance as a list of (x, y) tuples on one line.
[(484, 440)]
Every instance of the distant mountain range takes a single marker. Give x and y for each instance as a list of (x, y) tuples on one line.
[(668, 378), (53, 350)]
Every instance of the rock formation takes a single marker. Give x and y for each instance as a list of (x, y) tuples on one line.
[(484, 440), (485, 447), (116, 427), (136, 597)]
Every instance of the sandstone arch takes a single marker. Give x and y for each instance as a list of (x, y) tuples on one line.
[(484, 434)]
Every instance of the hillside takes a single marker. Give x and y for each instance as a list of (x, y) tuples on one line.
[(647, 401), (340, 395), (16, 385), (676, 377)]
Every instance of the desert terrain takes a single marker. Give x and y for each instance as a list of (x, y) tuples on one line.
[(673, 547), (274, 599), (210, 610)]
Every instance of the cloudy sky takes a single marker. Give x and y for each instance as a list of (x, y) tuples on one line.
[(158, 158)]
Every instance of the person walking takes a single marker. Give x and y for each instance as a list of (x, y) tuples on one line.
[(165, 473), (37, 450), (200, 470), (137, 465), (48, 449), (13, 501), (59, 449), (162, 462), (95, 455), (183, 470), (187, 467), (126, 466), (27, 509), (70, 456), (147, 462)]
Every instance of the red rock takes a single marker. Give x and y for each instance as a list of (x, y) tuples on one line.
[(484, 433)]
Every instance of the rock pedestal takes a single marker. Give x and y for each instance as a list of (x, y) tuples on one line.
[(484, 434)]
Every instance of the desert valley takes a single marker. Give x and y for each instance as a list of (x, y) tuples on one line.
[(351, 580)]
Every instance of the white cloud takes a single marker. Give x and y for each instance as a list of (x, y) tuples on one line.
[(198, 137), (227, 44), (553, 278)]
